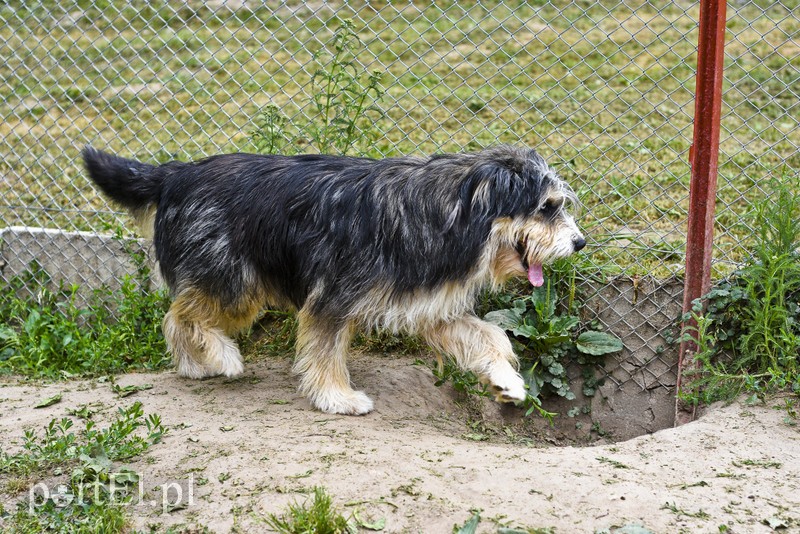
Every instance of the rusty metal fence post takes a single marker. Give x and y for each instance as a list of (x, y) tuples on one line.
[(704, 157)]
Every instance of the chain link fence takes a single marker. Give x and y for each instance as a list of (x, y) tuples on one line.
[(603, 89)]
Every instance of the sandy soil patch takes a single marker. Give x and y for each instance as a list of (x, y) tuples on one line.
[(247, 447)]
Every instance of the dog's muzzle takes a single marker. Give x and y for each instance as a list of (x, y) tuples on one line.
[(535, 272)]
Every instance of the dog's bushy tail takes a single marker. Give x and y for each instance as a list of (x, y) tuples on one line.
[(134, 185)]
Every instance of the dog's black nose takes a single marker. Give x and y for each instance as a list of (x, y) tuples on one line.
[(578, 243)]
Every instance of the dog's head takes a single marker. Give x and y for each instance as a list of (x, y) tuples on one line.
[(530, 209)]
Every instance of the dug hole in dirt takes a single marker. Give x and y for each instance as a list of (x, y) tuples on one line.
[(424, 458)]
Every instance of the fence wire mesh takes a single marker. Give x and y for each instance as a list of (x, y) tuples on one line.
[(603, 89)]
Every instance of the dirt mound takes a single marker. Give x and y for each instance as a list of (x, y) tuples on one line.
[(247, 447)]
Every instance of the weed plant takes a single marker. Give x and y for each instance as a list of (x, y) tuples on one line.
[(83, 502), (47, 332), (549, 337), (319, 516), (749, 335), (60, 445), (345, 104)]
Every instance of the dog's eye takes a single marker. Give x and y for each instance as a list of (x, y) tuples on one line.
[(549, 207)]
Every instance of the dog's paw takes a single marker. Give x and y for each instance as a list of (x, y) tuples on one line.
[(507, 385), (189, 368), (226, 359), (343, 402), (231, 367)]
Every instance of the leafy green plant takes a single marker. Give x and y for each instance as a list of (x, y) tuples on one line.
[(548, 337), (465, 382), (51, 517), (83, 503), (271, 135), (55, 447), (344, 99), (548, 341), (748, 338), (471, 525), (59, 444), (319, 516), (48, 332)]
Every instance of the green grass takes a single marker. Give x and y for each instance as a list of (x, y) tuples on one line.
[(46, 331), (609, 102), (81, 465), (319, 516)]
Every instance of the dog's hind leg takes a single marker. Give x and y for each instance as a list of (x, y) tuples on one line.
[(197, 332), (484, 349), (321, 362)]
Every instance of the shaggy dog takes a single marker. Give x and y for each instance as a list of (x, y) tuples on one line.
[(403, 244)]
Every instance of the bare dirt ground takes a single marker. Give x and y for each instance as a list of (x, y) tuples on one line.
[(248, 447)]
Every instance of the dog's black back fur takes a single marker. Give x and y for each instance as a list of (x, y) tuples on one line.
[(334, 225)]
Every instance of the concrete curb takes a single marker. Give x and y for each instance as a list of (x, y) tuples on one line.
[(86, 259)]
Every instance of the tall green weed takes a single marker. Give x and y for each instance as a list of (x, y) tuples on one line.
[(749, 335), (344, 101)]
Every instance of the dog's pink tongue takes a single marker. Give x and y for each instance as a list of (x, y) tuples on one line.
[(535, 275)]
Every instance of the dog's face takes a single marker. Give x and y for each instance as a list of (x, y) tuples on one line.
[(549, 233), (539, 234)]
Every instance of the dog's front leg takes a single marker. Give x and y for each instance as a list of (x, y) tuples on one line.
[(321, 362), (484, 349)]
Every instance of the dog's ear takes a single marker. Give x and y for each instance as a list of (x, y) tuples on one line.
[(496, 188)]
